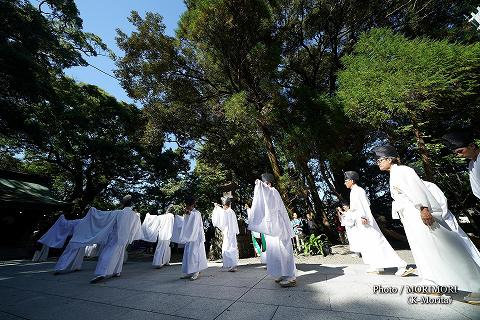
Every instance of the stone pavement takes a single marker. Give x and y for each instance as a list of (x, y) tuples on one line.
[(331, 290)]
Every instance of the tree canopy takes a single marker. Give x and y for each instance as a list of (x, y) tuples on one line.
[(302, 89)]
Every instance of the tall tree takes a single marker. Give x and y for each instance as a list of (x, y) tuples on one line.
[(390, 80), (208, 65), (36, 44), (85, 138)]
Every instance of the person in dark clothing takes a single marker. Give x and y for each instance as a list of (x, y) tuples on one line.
[(209, 230)]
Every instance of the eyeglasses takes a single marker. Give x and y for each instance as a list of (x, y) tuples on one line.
[(381, 159)]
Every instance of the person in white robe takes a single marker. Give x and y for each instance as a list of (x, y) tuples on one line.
[(55, 237), (258, 239), (92, 229), (269, 216), (225, 219), (439, 253), (192, 235), (376, 250), (159, 228), (450, 219), (349, 221), (462, 144), (126, 229)]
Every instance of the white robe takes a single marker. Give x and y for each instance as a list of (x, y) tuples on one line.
[(226, 221), (177, 229), (194, 256), (55, 237), (159, 228), (269, 216), (439, 253), (474, 174), (452, 221), (41, 255), (349, 221), (126, 229), (376, 250), (71, 259), (94, 228)]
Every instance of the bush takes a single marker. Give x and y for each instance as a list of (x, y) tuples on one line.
[(314, 245)]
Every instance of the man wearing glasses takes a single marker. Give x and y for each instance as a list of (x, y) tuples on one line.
[(461, 143), (439, 252)]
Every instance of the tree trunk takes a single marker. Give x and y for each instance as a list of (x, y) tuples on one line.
[(275, 164), (271, 153), (427, 166), (332, 78), (317, 202), (329, 180)]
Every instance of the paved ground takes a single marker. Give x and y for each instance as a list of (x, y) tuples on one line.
[(338, 288)]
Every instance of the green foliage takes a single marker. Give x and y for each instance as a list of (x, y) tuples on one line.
[(415, 90), (243, 87), (207, 182), (314, 245), (388, 77), (35, 46)]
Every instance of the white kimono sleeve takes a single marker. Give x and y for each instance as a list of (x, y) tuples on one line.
[(364, 206), (129, 226), (439, 196), (150, 227), (232, 223), (269, 215), (94, 228), (408, 183), (347, 220), (166, 227), (258, 214), (57, 234), (177, 229), (264, 215), (474, 175), (192, 227), (218, 218)]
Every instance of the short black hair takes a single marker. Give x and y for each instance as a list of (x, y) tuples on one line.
[(190, 200), (127, 201), (268, 177)]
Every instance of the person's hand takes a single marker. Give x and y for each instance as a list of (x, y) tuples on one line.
[(364, 220), (426, 216)]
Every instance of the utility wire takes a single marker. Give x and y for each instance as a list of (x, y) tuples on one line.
[(104, 72)]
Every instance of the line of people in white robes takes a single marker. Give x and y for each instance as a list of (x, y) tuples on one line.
[(432, 231), (107, 233), (443, 254)]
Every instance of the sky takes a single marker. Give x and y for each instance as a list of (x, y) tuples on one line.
[(103, 17)]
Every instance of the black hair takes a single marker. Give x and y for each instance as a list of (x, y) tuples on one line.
[(127, 201), (190, 200)]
